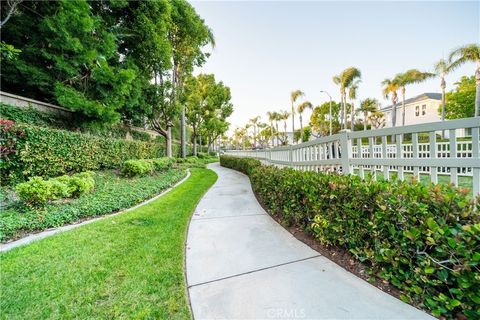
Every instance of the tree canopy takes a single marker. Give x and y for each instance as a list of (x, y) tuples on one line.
[(461, 101)]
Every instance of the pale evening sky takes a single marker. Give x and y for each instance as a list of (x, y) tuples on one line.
[(264, 50)]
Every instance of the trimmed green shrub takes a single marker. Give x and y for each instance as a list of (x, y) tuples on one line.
[(423, 239), (132, 168), (162, 164), (76, 184), (37, 191), (48, 152)]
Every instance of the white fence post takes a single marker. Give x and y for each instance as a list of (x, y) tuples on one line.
[(345, 151)]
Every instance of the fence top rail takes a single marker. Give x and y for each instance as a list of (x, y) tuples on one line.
[(416, 128), (327, 139)]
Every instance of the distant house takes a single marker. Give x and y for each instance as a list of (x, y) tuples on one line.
[(420, 109), (423, 108)]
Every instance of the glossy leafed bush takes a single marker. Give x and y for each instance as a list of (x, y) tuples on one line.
[(423, 239)]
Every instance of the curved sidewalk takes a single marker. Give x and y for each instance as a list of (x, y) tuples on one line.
[(240, 264)]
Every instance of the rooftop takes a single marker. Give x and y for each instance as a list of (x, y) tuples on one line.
[(420, 97)]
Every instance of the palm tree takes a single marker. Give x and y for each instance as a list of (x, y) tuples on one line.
[(344, 80), (468, 53), (390, 88), (284, 115), (300, 109), (442, 68), (377, 119), (367, 106), (271, 118), (294, 95), (352, 95), (254, 122), (410, 77)]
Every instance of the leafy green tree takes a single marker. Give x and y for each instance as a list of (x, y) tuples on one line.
[(461, 101), (464, 54), (207, 102), (320, 119), (188, 35), (68, 57)]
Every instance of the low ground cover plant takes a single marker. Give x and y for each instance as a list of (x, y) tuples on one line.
[(37, 191), (129, 266), (112, 193), (423, 239)]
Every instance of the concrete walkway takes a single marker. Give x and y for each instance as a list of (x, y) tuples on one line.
[(241, 264)]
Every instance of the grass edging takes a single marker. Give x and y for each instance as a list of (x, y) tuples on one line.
[(127, 266), (50, 232)]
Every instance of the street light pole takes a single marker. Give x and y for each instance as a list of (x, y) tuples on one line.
[(330, 111)]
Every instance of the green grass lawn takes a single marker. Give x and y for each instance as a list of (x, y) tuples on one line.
[(125, 267)]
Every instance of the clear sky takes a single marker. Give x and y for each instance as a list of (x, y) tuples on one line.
[(264, 50)]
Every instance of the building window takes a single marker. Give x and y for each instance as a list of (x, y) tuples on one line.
[(417, 111), (424, 109)]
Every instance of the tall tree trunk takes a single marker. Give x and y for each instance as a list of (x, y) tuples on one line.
[(341, 109), (394, 113), (278, 142), (345, 121), (293, 118), (365, 116), (200, 145), (352, 117), (394, 117), (443, 86), (271, 133), (301, 126), (477, 93), (403, 106), (169, 142), (194, 136), (183, 133)]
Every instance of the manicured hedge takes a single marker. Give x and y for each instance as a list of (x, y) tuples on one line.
[(424, 239), (48, 152)]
